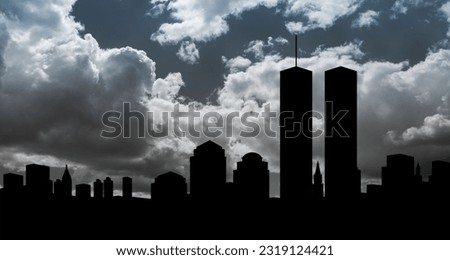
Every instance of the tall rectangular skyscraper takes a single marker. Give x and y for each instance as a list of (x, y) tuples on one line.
[(295, 137), (342, 177)]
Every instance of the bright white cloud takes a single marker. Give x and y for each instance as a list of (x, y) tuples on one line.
[(429, 76), (429, 82), (296, 27), (366, 19), (168, 87), (188, 53), (236, 64), (435, 129), (199, 20), (318, 13)]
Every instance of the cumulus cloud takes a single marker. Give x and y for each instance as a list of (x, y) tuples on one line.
[(188, 53), (445, 9), (435, 129), (426, 76), (236, 64), (65, 82), (260, 48), (296, 27), (56, 84), (366, 19), (429, 83), (319, 14), (199, 20), (402, 6), (168, 87), (158, 7)]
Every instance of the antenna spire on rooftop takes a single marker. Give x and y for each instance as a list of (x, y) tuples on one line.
[(296, 50)]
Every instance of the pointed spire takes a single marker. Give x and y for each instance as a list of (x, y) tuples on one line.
[(318, 168), (66, 174), (418, 169), (317, 175)]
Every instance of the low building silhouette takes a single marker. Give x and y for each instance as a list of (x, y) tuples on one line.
[(57, 189), (169, 186), (127, 187), (12, 183), (440, 178), (374, 191), (251, 178), (208, 171), (108, 188), (418, 176), (98, 189), (83, 191), (38, 183), (398, 175)]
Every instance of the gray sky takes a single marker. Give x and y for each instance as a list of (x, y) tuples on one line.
[(63, 63)]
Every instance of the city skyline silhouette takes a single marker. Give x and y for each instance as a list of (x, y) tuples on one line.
[(211, 207)]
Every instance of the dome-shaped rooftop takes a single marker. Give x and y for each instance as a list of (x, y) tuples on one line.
[(252, 157)]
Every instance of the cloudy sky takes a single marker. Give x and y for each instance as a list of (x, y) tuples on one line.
[(63, 63)]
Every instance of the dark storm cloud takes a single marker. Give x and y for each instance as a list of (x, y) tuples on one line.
[(65, 83)]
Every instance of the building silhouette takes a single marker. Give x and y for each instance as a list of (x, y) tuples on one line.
[(98, 189), (66, 184), (419, 186), (418, 176), (127, 187), (342, 177), (208, 171), (440, 178), (12, 183), (108, 188), (245, 207), (38, 183), (251, 178), (374, 191), (397, 176), (169, 186), (83, 191), (318, 183), (57, 189), (211, 198), (295, 137)]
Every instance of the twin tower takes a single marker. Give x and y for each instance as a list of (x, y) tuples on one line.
[(342, 177)]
